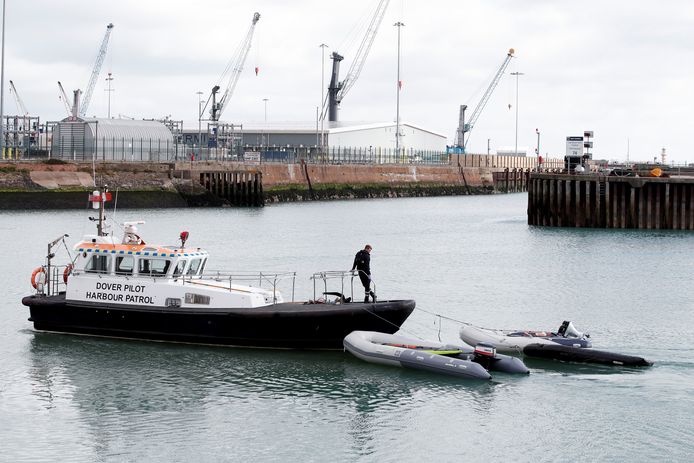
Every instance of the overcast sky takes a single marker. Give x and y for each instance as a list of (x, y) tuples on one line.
[(623, 69)]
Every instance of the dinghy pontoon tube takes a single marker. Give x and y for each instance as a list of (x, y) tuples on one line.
[(437, 357), (575, 354), (513, 342)]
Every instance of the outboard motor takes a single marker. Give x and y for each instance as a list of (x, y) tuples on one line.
[(484, 354), (568, 330)]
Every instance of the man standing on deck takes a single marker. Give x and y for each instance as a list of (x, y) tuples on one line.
[(362, 263)]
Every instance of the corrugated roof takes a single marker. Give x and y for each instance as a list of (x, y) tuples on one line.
[(308, 127), (125, 128)]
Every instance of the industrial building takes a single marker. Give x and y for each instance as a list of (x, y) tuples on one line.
[(112, 139), (307, 137)]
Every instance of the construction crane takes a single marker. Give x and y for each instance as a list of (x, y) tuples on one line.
[(338, 90), (20, 104), (84, 105), (234, 69), (463, 127), (63, 97)]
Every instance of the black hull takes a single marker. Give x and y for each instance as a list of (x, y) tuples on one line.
[(583, 355), (287, 325)]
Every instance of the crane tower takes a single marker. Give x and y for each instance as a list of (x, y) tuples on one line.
[(234, 68), (463, 127), (337, 89), (95, 71)]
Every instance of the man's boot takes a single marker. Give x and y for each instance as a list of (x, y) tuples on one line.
[(366, 298), (373, 295)]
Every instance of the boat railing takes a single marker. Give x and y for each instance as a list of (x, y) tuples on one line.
[(55, 279), (329, 279), (265, 280)]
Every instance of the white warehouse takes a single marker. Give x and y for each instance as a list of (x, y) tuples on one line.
[(382, 135)]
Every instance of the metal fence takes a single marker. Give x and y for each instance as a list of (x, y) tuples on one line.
[(156, 150), (350, 155)]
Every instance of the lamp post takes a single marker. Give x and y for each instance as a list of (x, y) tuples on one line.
[(537, 150), (517, 74), (265, 100), (397, 101), (322, 86), (109, 79), (2, 86), (199, 94)]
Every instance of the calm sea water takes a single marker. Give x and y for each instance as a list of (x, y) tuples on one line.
[(71, 398)]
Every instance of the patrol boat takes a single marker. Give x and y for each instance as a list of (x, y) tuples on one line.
[(131, 289)]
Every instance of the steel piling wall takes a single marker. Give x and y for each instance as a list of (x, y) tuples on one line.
[(598, 201)]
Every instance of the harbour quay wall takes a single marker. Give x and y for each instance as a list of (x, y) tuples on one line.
[(58, 184), (61, 185), (304, 181), (600, 201)]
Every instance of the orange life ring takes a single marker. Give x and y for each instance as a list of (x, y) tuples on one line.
[(34, 276), (67, 272)]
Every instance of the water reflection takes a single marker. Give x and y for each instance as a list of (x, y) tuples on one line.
[(130, 388)]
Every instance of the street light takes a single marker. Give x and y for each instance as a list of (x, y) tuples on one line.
[(2, 86), (399, 25), (397, 104), (537, 150), (265, 100), (109, 79), (199, 94), (517, 74), (322, 86)]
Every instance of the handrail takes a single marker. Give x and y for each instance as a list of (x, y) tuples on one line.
[(259, 277), (54, 281), (341, 275)]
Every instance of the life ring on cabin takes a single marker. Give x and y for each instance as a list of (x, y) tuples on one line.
[(35, 276), (67, 272)]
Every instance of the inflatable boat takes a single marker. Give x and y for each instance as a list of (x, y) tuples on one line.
[(513, 341), (567, 344), (578, 355), (460, 361)]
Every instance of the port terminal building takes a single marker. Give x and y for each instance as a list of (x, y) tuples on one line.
[(305, 138), (153, 140)]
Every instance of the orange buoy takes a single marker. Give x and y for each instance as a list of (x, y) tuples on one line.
[(35, 276), (67, 272)]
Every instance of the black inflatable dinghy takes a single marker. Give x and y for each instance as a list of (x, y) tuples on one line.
[(582, 355)]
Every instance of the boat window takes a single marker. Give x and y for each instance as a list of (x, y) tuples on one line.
[(192, 298), (153, 267), (180, 267), (125, 265), (202, 267), (194, 266), (97, 264)]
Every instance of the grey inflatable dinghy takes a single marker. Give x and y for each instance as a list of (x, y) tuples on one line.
[(454, 360)]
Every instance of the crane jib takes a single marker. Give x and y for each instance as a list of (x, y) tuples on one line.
[(95, 72), (236, 66)]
